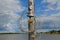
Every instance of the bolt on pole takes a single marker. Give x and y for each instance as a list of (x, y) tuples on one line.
[(31, 29)]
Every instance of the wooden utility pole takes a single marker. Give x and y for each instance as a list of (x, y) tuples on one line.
[(31, 28)]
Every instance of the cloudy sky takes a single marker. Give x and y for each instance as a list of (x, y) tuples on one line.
[(47, 12), (10, 11)]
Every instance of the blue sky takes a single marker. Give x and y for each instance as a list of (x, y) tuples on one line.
[(47, 12), (42, 7)]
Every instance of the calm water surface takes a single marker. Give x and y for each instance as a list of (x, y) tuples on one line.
[(48, 37), (25, 37)]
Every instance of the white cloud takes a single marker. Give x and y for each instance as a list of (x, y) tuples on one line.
[(54, 17), (44, 30), (8, 9), (52, 21), (10, 5), (52, 1)]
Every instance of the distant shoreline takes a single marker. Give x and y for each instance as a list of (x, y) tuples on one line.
[(51, 32), (12, 32)]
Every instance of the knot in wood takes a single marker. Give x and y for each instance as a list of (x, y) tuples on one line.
[(30, 21)]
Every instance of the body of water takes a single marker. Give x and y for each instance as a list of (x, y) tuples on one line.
[(48, 37), (25, 37)]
